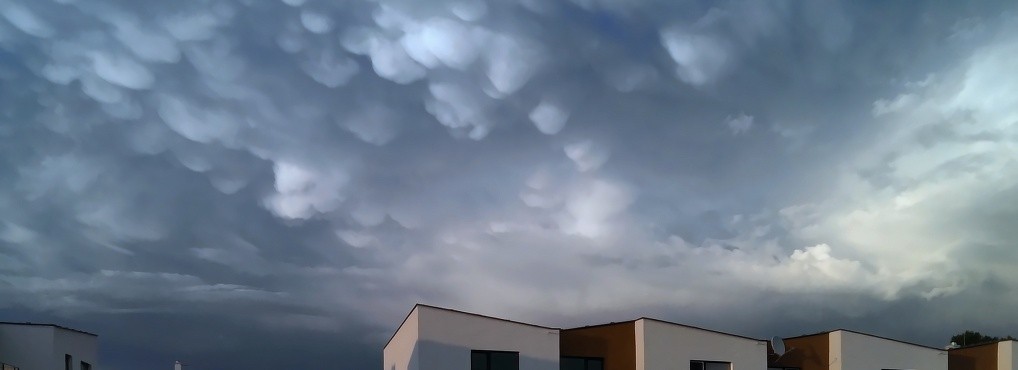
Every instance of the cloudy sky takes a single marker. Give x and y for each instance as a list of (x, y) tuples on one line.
[(274, 183)]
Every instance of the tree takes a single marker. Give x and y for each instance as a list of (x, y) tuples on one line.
[(971, 338)]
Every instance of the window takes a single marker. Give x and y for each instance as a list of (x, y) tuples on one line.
[(9, 367), (85, 366), (494, 360), (68, 362), (709, 365), (581, 363)]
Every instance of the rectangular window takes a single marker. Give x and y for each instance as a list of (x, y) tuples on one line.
[(494, 360), (68, 362), (86, 366), (581, 363), (709, 365)]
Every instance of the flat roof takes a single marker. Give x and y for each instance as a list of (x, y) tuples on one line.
[(460, 312), (666, 322), (866, 334), (982, 344), (48, 325), (703, 329), (613, 323)]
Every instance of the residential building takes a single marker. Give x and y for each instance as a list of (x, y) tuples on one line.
[(651, 344), (988, 356), (30, 346), (849, 350), (434, 338)]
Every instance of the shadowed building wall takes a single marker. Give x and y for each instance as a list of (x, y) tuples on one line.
[(615, 343), (810, 352)]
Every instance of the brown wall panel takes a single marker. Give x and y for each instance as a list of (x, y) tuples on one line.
[(982, 357), (807, 353), (616, 343)]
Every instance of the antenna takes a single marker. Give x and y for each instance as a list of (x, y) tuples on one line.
[(778, 345)]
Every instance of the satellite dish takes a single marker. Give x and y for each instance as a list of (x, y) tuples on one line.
[(778, 345)]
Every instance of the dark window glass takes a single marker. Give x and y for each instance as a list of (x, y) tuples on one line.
[(478, 360), (505, 361), (68, 362), (494, 360), (710, 365), (572, 363), (581, 363), (86, 366)]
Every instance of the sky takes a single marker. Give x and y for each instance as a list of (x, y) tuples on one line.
[(275, 183)]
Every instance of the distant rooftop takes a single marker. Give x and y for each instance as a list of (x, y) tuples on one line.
[(666, 322), (983, 344), (866, 334), (49, 325)]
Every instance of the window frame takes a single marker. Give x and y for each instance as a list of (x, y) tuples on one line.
[(487, 353), (705, 362), (585, 359)]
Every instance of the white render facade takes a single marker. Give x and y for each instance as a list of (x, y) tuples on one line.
[(47, 347), (663, 345), (433, 338), (1006, 351), (857, 351), (848, 350), (438, 338)]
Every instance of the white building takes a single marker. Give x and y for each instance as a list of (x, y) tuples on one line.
[(433, 338), (29, 346), (848, 350), (651, 344)]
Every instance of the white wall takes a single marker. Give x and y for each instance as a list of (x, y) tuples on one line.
[(853, 351), (81, 346), (399, 354), (1005, 355), (41, 347), (665, 346), (447, 337), (28, 347)]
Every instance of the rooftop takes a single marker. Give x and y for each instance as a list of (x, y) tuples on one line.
[(49, 325), (416, 306), (666, 322), (866, 334)]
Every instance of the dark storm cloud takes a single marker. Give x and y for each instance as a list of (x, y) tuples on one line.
[(292, 175)]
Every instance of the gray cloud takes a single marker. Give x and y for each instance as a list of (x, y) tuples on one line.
[(310, 169)]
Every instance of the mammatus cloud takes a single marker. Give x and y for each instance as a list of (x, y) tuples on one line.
[(739, 124), (301, 166)]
